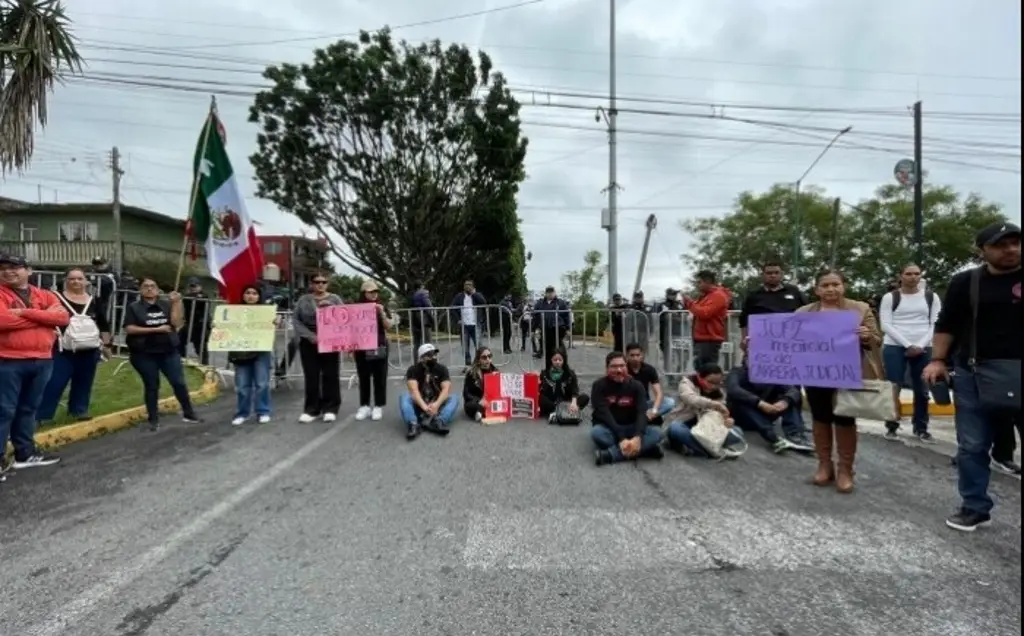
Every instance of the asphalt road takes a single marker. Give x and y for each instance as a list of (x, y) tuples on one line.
[(290, 529)]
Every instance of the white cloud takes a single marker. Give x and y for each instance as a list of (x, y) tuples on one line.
[(798, 53)]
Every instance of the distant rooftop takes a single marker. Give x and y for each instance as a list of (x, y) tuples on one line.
[(15, 206)]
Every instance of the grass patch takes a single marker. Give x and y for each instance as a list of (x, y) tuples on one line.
[(112, 393)]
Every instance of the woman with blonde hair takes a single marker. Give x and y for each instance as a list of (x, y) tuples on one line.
[(831, 431)]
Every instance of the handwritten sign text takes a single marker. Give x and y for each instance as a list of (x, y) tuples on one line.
[(818, 349)]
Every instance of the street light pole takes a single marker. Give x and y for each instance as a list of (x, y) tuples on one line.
[(798, 209)]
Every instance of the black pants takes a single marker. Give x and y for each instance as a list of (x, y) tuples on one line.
[(547, 405), (506, 332), (706, 353), (290, 351), (526, 335), (1005, 444), (322, 376), (472, 406), (551, 339), (373, 375), (420, 336), (821, 403), (149, 367)]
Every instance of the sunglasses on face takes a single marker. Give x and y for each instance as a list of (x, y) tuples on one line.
[(486, 356), (319, 282)]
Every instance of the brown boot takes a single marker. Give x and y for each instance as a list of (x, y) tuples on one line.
[(826, 473), (846, 446)]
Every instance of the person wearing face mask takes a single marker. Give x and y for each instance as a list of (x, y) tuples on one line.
[(78, 349), (698, 393), (621, 429), (428, 403), (321, 372), (252, 372), (473, 386), (559, 385)]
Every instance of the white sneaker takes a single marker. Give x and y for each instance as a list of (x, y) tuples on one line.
[(362, 413), (479, 416), (238, 421), (306, 418), (264, 419), (330, 417), (377, 414)]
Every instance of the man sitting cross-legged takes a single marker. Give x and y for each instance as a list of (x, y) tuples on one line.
[(623, 427), (756, 407), (429, 403)]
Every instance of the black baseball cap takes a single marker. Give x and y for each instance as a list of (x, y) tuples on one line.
[(995, 233), (13, 259)]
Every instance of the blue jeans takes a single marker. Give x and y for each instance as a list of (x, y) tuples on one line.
[(896, 365), (604, 439), (750, 418), (78, 369), (975, 434), (252, 386), (149, 367), (667, 404), (469, 342), (410, 412), (680, 437), (22, 383)]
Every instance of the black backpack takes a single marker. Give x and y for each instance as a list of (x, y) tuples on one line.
[(929, 299)]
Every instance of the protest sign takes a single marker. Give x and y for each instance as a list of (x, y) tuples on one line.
[(346, 328), (511, 395), (243, 328), (816, 348)]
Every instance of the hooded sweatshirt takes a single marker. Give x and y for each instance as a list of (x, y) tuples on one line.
[(710, 315)]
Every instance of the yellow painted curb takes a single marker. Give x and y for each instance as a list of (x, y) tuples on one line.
[(935, 410), (104, 424)]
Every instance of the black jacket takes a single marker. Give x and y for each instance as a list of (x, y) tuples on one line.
[(473, 387), (740, 390), (564, 389)]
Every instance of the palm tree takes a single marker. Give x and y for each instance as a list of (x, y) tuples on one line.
[(37, 50)]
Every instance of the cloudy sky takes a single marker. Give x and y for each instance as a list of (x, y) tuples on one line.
[(815, 66)]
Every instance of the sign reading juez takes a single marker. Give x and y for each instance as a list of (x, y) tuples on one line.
[(818, 349), (346, 328)]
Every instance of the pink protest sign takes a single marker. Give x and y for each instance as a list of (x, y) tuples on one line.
[(346, 328)]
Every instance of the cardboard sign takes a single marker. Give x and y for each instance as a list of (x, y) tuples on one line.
[(243, 328), (346, 328), (512, 395)]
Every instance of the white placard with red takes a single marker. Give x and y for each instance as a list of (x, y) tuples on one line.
[(511, 395)]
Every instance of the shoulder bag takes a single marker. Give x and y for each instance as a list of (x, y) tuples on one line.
[(998, 380), (712, 433), (564, 418)]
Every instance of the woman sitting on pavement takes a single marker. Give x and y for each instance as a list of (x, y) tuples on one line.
[(699, 393), (831, 430), (756, 407), (252, 372), (473, 386), (559, 384), (77, 351)]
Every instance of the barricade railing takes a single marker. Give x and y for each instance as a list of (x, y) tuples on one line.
[(445, 328), (53, 280)]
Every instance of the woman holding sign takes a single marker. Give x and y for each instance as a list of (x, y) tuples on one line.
[(252, 372), (372, 365), (832, 431), (321, 372)]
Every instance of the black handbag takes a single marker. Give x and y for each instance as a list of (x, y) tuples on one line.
[(998, 381), (564, 418)]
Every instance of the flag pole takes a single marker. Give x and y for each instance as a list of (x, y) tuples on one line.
[(196, 180)]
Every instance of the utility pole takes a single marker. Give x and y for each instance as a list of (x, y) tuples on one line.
[(115, 168), (918, 188), (652, 223), (613, 186)]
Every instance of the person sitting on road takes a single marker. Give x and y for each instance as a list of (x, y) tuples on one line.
[(151, 327), (252, 372), (473, 386), (559, 384), (657, 402), (756, 407), (428, 404), (622, 429), (698, 393)]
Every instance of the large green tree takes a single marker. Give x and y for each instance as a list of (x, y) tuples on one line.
[(37, 49), (413, 155), (873, 238)]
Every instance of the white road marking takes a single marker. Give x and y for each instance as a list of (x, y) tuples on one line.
[(83, 605), (599, 540)]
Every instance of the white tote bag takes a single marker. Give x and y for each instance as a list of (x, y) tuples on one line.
[(712, 433), (873, 402)]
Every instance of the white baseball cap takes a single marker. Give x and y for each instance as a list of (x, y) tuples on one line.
[(426, 350)]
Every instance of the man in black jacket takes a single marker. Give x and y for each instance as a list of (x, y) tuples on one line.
[(551, 316), (622, 429), (772, 297), (756, 407)]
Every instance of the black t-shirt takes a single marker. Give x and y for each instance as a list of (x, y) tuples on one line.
[(619, 406), (784, 300), (145, 314), (97, 311), (646, 375), (429, 380), (999, 315)]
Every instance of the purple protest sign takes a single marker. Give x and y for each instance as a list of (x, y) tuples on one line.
[(816, 348)]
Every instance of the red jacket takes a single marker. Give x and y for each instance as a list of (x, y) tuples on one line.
[(30, 335), (710, 315)]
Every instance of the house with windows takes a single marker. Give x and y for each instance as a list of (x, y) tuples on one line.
[(297, 258), (55, 236)]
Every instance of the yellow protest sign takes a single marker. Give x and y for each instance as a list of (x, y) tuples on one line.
[(243, 328)]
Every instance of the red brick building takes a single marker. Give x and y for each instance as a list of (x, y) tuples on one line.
[(298, 258)]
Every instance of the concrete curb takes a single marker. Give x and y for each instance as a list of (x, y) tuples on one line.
[(934, 410), (112, 422)]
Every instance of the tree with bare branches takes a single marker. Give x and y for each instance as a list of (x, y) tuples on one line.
[(37, 50), (412, 155)]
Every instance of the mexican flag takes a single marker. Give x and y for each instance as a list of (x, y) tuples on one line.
[(219, 219)]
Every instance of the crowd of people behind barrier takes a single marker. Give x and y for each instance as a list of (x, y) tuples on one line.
[(50, 340)]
